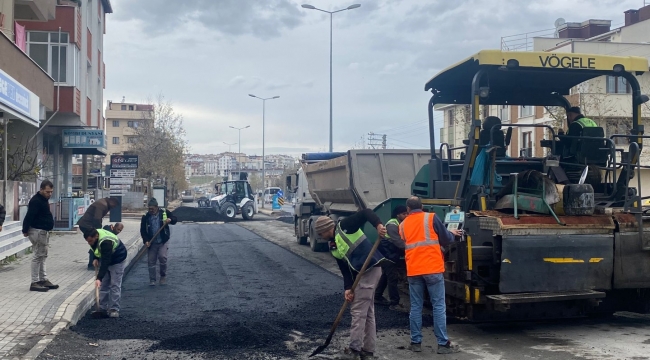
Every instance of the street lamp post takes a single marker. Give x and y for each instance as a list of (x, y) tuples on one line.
[(239, 151), (263, 147), (311, 7)]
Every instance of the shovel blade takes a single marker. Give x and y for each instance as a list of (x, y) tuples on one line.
[(99, 315), (318, 350)]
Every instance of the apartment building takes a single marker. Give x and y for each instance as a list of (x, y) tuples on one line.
[(68, 47), (122, 120), (26, 90)]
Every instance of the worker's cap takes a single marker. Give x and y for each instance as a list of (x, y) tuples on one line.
[(323, 224), (575, 110), (399, 209), (152, 202)]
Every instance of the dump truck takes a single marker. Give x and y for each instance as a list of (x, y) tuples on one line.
[(341, 184), (563, 235)]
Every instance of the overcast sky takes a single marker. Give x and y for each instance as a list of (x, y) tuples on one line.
[(206, 56)]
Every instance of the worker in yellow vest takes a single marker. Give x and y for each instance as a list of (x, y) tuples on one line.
[(109, 254), (577, 122)]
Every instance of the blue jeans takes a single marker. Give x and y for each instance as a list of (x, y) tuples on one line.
[(435, 283)]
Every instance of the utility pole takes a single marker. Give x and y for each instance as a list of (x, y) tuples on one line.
[(376, 141)]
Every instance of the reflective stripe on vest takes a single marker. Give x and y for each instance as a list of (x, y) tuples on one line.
[(428, 239), (354, 248), (586, 122), (422, 250), (103, 236), (391, 222), (347, 242)]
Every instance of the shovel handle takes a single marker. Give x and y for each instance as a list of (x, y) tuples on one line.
[(96, 290), (144, 249)]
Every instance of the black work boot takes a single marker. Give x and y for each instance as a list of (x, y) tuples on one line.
[(38, 287), (48, 284)]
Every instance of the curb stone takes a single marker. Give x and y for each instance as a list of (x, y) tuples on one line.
[(78, 304)]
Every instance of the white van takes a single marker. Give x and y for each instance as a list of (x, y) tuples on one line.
[(268, 194)]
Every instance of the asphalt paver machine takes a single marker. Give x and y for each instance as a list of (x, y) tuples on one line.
[(559, 235)]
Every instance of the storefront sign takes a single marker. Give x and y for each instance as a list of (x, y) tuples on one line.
[(124, 162), (16, 99), (83, 138)]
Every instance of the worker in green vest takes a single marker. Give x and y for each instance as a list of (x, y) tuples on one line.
[(577, 122), (392, 247), (350, 247), (110, 255)]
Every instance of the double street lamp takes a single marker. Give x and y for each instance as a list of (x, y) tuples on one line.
[(311, 7), (263, 147), (229, 145), (239, 151)]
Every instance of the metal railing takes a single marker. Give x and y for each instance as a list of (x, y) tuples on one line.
[(524, 42)]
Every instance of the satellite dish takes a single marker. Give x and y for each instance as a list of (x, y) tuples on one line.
[(559, 22)]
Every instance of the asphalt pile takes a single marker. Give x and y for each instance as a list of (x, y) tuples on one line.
[(243, 335), (185, 213), (232, 295)]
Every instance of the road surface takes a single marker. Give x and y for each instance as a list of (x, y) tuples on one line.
[(235, 295)]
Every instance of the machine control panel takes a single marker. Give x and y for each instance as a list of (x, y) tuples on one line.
[(455, 219)]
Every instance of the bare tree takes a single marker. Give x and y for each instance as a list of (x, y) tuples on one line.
[(23, 163), (256, 182), (160, 144)]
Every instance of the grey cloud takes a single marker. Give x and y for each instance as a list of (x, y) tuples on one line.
[(261, 18)]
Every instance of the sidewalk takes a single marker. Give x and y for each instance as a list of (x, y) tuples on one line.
[(29, 320)]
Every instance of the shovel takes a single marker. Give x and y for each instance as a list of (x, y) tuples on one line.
[(345, 303), (98, 313), (144, 248)]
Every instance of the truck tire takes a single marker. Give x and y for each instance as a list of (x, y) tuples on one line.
[(247, 212), (302, 240), (228, 210), (313, 243)]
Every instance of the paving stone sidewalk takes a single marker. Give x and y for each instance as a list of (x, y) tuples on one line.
[(28, 317)]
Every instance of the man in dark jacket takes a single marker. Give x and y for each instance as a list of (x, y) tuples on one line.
[(392, 247), (3, 215), (350, 248), (37, 225), (109, 253), (150, 224), (92, 219), (115, 229)]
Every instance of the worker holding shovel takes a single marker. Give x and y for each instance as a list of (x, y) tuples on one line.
[(110, 255), (155, 233), (355, 253)]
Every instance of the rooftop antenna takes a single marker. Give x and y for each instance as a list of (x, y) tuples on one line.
[(559, 22)]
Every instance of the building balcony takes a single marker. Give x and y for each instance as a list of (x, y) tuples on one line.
[(24, 70), (35, 10)]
